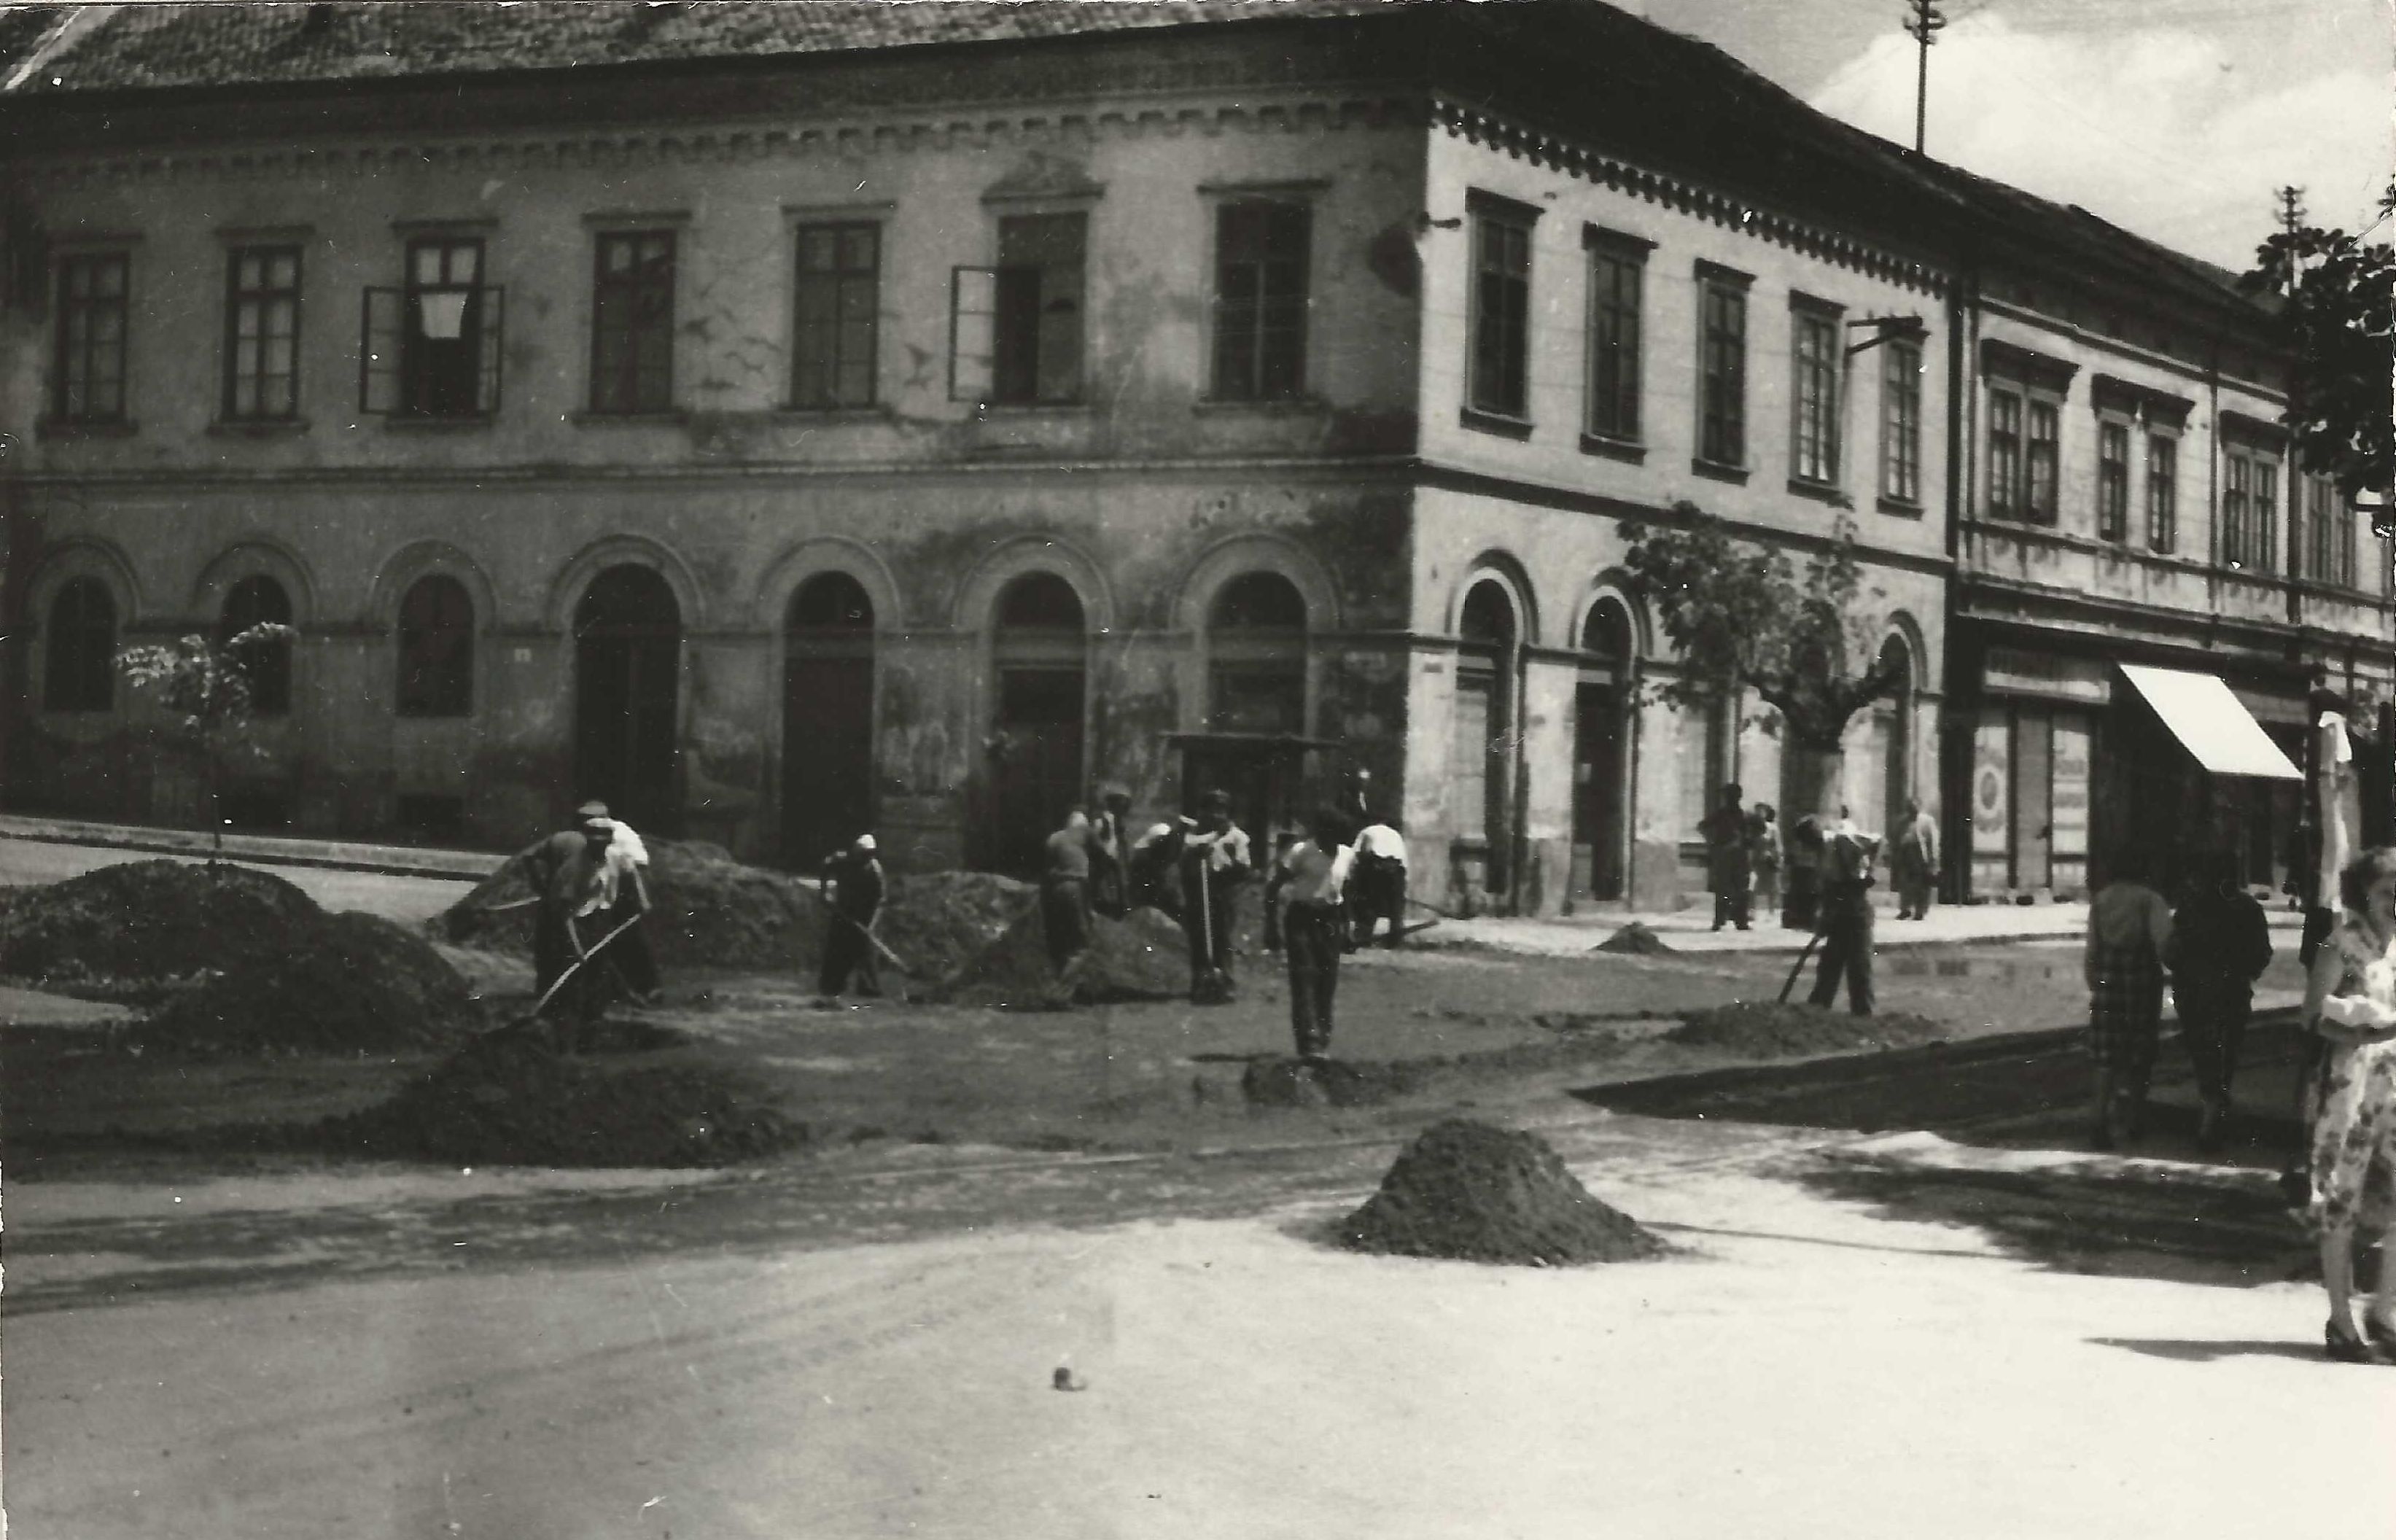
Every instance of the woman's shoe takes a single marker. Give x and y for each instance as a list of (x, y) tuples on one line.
[(2343, 1347)]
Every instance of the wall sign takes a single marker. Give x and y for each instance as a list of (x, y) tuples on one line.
[(2011, 670)]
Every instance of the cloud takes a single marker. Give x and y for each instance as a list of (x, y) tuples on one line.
[(2158, 130)]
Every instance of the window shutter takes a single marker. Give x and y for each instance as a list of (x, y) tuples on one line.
[(487, 379), (378, 349), (973, 333)]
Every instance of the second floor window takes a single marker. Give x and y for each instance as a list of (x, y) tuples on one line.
[(1500, 381), (1722, 358), (1261, 295), (2113, 481), (2332, 534), (2004, 454), (432, 348), (1814, 439), (2250, 499), (632, 322), (1615, 280), (839, 307), (2266, 513), (2040, 463), (88, 378), (2162, 493), (1040, 298), (262, 333), (1900, 452)]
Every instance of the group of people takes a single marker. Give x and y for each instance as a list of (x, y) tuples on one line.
[(1747, 852)]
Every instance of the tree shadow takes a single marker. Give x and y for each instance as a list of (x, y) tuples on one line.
[(2194, 1351)]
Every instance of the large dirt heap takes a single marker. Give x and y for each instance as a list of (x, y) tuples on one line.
[(274, 972), (711, 909), (1142, 956), (509, 1099), (1475, 1193)]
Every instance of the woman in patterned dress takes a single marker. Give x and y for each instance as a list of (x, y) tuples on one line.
[(2350, 1003), (2129, 931)]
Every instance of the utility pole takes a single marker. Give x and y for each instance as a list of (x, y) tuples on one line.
[(1923, 25)]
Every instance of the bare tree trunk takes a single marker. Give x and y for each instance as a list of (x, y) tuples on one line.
[(1810, 779)]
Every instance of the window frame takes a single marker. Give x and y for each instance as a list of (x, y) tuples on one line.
[(1498, 343), (2042, 505), (2113, 478), (2005, 443), (629, 293), (1259, 325), (396, 324), (91, 681), (1730, 286), (1900, 386), (70, 363), (835, 227), (450, 698), (1821, 420), (236, 296), (2162, 499), (1613, 332), (1005, 356)]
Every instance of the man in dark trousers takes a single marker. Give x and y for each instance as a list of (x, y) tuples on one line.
[(1215, 861), (1846, 917), (1725, 831), (2220, 944), (1310, 878), (852, 884), (567, 872), (1065, 895), (1110, 854)]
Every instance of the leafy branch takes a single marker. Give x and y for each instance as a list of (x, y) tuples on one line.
[(211, 690)]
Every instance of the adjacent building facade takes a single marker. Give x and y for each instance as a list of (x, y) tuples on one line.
[(783, 421)]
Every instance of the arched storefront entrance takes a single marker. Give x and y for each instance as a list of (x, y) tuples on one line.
[(1601, 752), (1039, 656), (827, 718), (627, 681)]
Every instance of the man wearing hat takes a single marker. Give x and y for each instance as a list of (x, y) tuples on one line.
[(852, 886), (1215, 861), (1110, 854), (567, 873), (1846, 922)]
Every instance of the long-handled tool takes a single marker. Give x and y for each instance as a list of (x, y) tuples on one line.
[(1212, 987), (1790, 982), (867, 931), (529, 1017)]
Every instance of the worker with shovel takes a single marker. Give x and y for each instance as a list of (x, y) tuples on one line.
[(852, 886), (1215, 861), (568, 876)]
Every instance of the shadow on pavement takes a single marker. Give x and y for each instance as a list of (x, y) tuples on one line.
[(2206, 1352)]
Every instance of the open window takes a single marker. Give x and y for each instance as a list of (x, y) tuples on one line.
[(432, 348), (1016, 330)]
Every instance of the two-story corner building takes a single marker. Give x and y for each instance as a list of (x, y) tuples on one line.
[(2125, 495), (781, 418)]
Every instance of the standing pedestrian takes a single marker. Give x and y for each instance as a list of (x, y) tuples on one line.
[(1846, 916), (1310, 878), (565, 873), (1724, 830), (2350, 1004), (853, 886), (1763, 858), (1914, 861), (1376, 886), (1065, 897), (1215, 861), (2220, 944), (1110, 854), (2129, 936)]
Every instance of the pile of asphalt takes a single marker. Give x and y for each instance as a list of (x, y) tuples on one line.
[(350, 984), (1762, 1028), (1634, 940), (510, 1098), (1142, 956), (1470, 1192)]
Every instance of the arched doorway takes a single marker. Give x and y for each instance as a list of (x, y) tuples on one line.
[(827, 718), (627, 683), (259, 601), (1895, 715), (1602, 751), (1040, 658), (1255, 703), (1481, 762)]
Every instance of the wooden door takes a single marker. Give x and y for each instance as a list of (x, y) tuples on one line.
[(1597, 792), (627, 693)]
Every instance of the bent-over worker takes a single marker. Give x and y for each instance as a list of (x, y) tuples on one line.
[(852, 886), (1065, 893), (624, 898), (1377, 887), (1846, 866), (565, 873)]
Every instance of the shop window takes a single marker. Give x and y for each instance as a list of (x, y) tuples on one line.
[(255, 602), (632, 322), (437, 649), (262, 334), (87, 374), (1261, 255), (839, 306), (79, 665)]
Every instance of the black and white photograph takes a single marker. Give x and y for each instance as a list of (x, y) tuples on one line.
[(1172, 769)]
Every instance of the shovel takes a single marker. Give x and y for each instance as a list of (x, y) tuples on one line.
[(870, 939), (532, 1016), (1790, 982), (1212, 988)]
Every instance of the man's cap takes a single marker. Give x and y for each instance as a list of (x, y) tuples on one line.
[(593, 811), (1217, 801), (865, 841), (1114, 789)]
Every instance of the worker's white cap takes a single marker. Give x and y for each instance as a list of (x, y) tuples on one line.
[(865, 841)]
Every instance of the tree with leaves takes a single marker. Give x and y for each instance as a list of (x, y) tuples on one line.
[(2336, 297), (1743, 615), (210, 689)]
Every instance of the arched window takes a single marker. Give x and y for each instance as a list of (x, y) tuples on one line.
[(1256, 644), (827, 718), (1039, 650), (437, 649), (1602, 751), (79, 674), (255, 602)]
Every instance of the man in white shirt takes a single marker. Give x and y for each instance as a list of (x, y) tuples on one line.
[(623, 897), (1215, 861), (1310, 878), (1378, 889)]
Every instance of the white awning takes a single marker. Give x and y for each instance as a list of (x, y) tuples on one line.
[(2210, 722)]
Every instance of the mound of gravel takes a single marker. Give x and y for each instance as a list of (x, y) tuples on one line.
[(1475, 1193), (346, 983), (510, 1099), (148, 921), (1760, 1028), (1142, 956), (1634, 940)]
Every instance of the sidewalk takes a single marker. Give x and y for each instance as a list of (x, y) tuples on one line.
[(470, 866), (1691, 930)]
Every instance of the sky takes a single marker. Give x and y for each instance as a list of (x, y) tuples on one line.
[(2177, 119)]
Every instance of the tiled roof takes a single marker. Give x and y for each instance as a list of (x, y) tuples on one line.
[(152, 46)]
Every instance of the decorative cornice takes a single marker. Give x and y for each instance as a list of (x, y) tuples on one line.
[(2127, 396), (1476, 124), (2000, 357)]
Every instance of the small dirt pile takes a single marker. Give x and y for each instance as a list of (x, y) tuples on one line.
[(1476, 1193), (149, 920), (1634, 940), (1759, 1029), (711, 909), (347, 983), (510, 1099), (1141, 956), (1327, 1083)]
